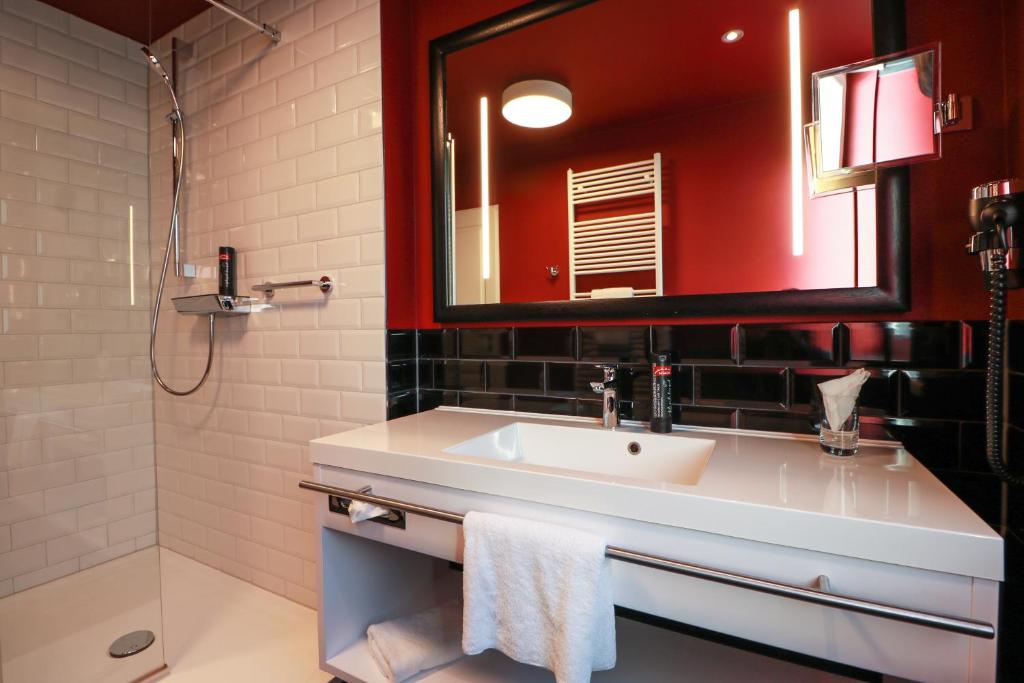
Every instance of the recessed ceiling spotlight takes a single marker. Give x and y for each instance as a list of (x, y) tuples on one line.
[(732, 35), (536, 104)]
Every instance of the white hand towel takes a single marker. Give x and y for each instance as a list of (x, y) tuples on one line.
[(405, 646), (359, 511), (539, 593)]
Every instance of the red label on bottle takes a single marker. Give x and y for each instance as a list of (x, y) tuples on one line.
[(662, 370), (224, 257)]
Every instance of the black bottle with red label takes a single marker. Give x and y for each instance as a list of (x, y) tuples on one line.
[(661, 393), (227, 273)]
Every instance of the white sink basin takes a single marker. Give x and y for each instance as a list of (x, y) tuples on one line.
[(595, 454)]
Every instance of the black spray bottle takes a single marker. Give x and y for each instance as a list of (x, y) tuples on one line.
[(661, 393), (227, 272)]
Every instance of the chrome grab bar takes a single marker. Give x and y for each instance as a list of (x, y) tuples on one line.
[(942, 622), (325, 284)]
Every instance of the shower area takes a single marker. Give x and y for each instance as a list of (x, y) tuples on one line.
[(96, 155)]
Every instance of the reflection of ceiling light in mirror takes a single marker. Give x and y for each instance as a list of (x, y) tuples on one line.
[(536, 104), (732, 35)]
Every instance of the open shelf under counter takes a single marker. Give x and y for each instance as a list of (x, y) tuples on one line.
[(646, 654)]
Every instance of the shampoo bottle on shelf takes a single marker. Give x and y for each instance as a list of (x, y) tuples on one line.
[(227, 272)]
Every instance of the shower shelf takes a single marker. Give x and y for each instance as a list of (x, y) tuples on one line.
[(214, 304)]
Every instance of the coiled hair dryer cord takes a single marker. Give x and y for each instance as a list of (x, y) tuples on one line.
[(994, 372)]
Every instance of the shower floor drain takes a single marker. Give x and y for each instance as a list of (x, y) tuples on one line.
[(131, 644)]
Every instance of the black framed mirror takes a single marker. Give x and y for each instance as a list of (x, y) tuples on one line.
[(674, 186)]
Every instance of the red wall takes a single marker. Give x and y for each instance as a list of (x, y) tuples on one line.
[(708, 159), (945, 282), (1012, 32)]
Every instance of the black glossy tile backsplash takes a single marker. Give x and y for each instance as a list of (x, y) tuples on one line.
[(615, 344), (403, 375), (545, 343), (813, 344), (401, 345), (917, 344), (943, 394), (570, 379), (434, 343), (516, 377), (878, 396), (459, 375), (480, 343), (1015, 435), (697, 344), (741, 387), (926, 387)]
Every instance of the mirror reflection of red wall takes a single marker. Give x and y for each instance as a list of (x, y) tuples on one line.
[(904, 115), (652, 77), (889, 115)]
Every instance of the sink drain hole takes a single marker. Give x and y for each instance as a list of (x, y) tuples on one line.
[(633, 448)]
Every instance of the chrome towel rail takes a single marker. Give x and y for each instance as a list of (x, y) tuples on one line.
[(325, 284), (942, 622)]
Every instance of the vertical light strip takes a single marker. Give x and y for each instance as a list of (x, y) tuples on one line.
[(451, 171), (796, 116), (485, 194), (131, 254)]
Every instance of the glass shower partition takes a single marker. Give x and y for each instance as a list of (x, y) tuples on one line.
[(79, 564)]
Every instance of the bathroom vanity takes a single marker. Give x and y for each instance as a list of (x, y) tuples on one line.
[(868, 561)]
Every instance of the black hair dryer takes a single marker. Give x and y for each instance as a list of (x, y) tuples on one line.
[(997, 217)]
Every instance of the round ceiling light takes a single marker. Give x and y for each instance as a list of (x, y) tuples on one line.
[(536, 104), (732, 35)]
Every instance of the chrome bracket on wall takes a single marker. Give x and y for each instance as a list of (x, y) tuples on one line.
[(955, 113), (949, 110)]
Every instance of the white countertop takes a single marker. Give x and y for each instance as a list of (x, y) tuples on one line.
[(880, 505)]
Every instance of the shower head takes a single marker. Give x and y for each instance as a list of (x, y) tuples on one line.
[(162, 73)]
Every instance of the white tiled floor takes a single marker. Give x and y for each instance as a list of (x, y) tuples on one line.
[(220, 629)]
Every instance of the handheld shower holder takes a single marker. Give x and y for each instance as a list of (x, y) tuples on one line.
[(213, 304)]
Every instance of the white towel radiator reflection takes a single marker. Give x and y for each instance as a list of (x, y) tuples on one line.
[(616, 243)]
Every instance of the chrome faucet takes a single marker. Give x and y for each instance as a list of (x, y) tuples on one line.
[(608, 388)]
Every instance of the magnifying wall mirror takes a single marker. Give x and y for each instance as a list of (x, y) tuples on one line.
[(611, 158), (876, 113)]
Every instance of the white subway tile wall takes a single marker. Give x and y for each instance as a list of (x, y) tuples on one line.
[(285, 164), (76, 416)]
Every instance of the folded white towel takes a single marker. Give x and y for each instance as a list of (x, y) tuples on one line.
[(405, 646), (539, 593), (612, 293), (359, 511)]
